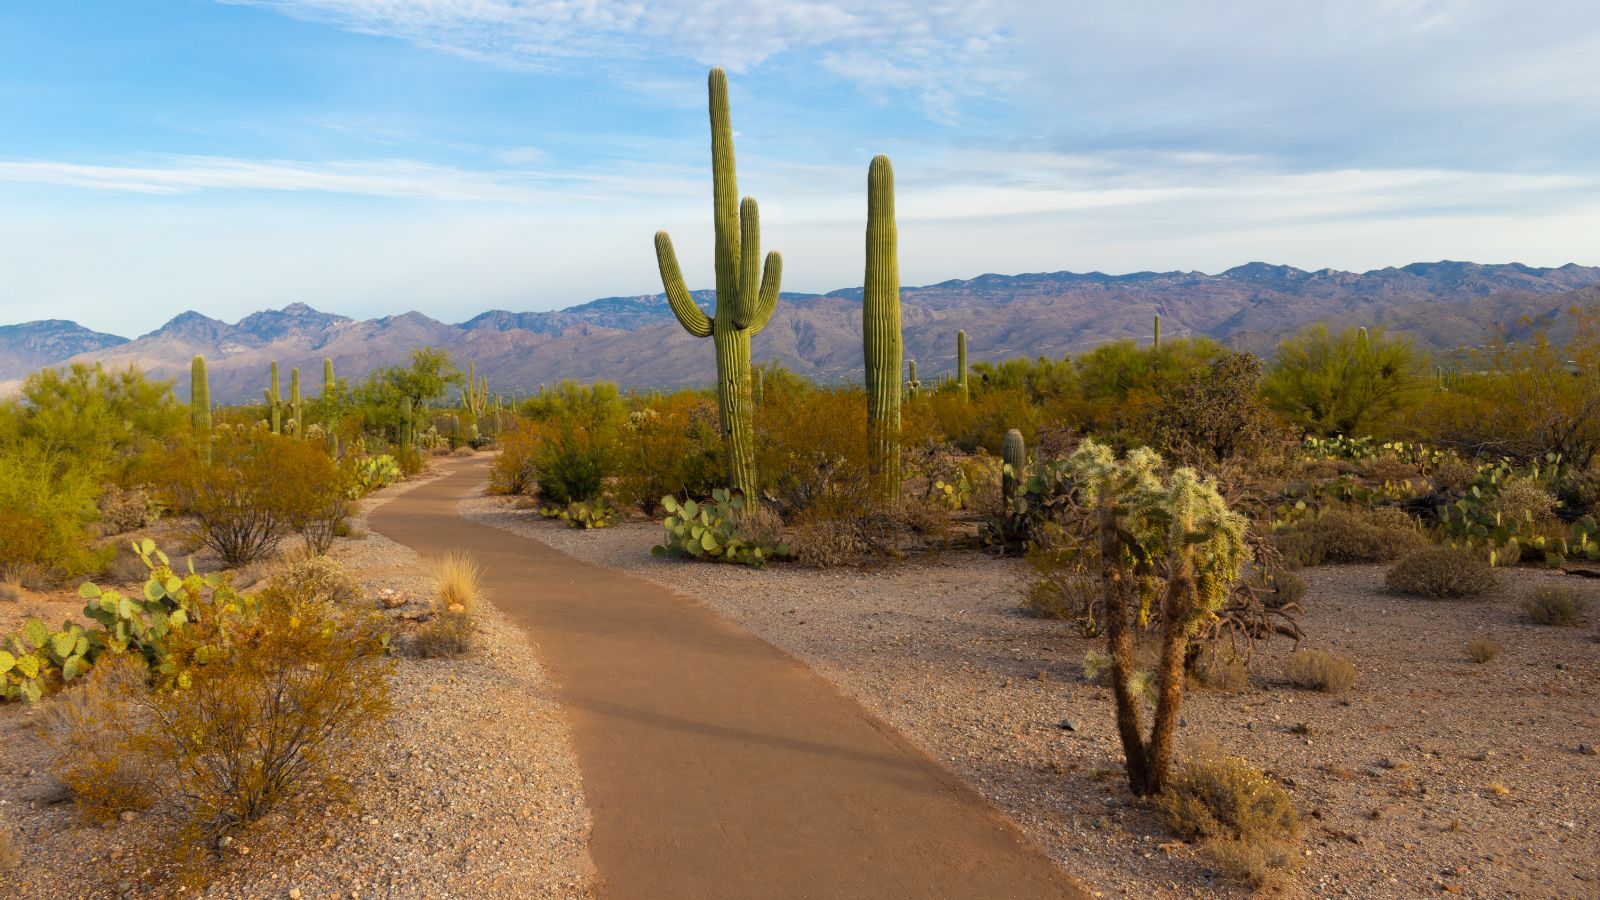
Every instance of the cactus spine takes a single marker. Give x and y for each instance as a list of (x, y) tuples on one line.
[(744, 305), (274, 401), (1015, 455), (200, 406), (961, 363), (1158, 331), (880, 329)]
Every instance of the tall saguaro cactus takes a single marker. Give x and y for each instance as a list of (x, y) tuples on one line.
[(880, 329), (274, 401), (744, 305), (961, 363), (296, 408), (1157, 343), (474, 398), (200, 406), (330, 389)]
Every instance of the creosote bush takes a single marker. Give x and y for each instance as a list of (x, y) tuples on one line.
[(1352, 535), (1246, 819), (1552, 605), (1219, 670), (1320, 670), (94, 735), (1439, 573), (1482, 650)]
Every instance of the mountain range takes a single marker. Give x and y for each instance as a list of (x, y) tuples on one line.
[(635, 341)]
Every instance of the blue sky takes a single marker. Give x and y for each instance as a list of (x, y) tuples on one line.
[(375, 156)]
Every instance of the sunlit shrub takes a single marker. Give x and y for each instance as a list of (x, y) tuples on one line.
[(1439, 573)]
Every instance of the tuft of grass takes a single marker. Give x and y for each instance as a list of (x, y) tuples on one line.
[(447, 634), (1246, 820), (1482, 650), (1319, 670), (1439, 573), (1551, 605), (457, 582)]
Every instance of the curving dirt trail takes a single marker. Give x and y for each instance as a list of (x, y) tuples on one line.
[(716, 766)]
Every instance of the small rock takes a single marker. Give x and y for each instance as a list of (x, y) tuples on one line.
[(128, 815), (1587, 750), (1066, 725), (391, 598)]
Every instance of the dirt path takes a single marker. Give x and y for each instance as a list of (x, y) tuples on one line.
[(716, 766)]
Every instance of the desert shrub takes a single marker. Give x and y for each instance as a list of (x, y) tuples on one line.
[(109, 423), (1062, 588), (318, 577), (1440, 573), (516, 468), (1349, 535), (821, 541), (811, 451), (1287, 588), (259, 487), (123, 509), (1215, 796), (1482, 650), (574, 462), (1350, 383), (1262, 865), (92, 733), (264, 701), (1218, 416), (1523, 498), (670, 445), (446, 634), (1217, 669), (714, 531), (1319, 670), (1551, 605), (47, 503), (1122, 383), (409, 459), (464, 451), (457, 581)]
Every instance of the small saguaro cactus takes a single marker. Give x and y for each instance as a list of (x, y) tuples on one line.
[(1014, 453), (200, 406), (912, 384), (297, 416), (1157, 343), (744, 304), (961, 364), (474, 398), (330, 389), (880, 328), (274, 401)]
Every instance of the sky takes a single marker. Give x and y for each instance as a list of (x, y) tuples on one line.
[(371, 157)]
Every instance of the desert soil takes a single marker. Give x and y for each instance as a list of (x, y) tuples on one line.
[(1431, 776), (471, 790)]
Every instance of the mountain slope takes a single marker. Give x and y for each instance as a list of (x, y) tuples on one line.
[(635, 340), (33, 345)]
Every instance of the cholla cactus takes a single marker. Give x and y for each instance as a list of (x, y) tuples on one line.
[(1152, 528), (744, 303)]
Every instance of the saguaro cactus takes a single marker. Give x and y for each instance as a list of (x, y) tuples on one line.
[(744, 307), (1157, 343), (330, 405), (474, 398), (274, 401), (880, 329), (200, 406), (961, 363), (296, 408), (1015, 455), (912, 384)]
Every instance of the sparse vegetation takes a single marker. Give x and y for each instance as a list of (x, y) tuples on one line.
[(1482, 650), (1552, 605), (1246, 820), (1320, 670), (1440, 573), (1349, 535)]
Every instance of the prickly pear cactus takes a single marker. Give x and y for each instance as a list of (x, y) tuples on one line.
[(709, 531)]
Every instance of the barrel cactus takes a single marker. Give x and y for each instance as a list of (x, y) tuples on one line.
[(880, 329), (744, 305)]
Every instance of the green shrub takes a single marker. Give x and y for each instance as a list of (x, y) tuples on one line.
[(1217, 416), (446, 634), (1439, 573), (47, 503), (1550, 605), (1353, 382), (1319, 670), (1349, 535)]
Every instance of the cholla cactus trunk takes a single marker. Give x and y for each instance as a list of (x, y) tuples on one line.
[(1157, 343), (200, 407), (1014, 453), (746, 297), (880, 329), (961, 363), (274, 401)]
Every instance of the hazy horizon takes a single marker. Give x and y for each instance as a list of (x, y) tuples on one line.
[(369, 157)]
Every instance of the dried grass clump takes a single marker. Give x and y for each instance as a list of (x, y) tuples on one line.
[(1246, 820), (1073, 598), (1482, 650), (823, 542), (446, 634), (1319, 670), (464, 451), (1349, 536), (457, 581), (93, 737), (1439, 573), (1551, 605), (760, 526)]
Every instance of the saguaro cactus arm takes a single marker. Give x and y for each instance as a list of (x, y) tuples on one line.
[(689, 314), (771, 277)]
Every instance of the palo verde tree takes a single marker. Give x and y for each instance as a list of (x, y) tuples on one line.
[(1170, 551), (744, 306)]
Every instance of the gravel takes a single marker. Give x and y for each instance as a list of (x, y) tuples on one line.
[(1431, 775), (471, 791)]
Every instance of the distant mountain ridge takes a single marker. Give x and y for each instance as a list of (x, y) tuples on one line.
[(635, 340)]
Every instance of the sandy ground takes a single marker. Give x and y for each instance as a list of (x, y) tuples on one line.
[(471, 791), (1431, 776)]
